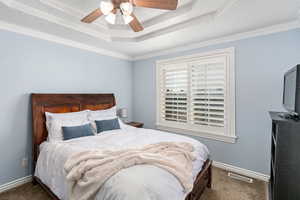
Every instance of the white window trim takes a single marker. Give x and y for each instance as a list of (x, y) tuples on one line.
[(230, 137)]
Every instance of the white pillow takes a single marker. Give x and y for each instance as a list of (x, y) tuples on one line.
[(55, 122), (103, 114), (107, 114)]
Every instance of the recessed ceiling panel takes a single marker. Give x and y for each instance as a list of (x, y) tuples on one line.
[(194, 21)]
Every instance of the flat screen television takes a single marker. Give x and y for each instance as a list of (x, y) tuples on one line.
[(291, 91)]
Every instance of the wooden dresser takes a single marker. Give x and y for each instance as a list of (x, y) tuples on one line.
[(285, 158)]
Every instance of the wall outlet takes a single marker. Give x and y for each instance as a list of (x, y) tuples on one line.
[(24, 163)]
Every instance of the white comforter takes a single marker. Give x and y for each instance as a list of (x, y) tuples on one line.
[(141, 182)]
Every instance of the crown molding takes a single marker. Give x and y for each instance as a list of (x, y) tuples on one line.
[(239, 36), (60, 40), (45, 36)]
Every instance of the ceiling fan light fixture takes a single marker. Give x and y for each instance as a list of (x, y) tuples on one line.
[(126, 8), (111, 18), (127, 19), (119, 11), (106, 7)]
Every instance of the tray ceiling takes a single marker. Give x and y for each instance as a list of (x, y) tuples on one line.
[(193, 21)]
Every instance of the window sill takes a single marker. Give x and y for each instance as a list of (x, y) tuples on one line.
[(222, 138)]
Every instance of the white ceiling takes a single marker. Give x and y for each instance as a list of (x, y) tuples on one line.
[(194, 21)]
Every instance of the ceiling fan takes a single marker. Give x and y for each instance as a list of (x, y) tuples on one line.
[(109, 8)]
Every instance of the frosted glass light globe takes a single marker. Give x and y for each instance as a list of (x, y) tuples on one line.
[(126, 8), (106, 7)]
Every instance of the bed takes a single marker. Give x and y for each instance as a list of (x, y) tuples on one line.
[(64, 103)]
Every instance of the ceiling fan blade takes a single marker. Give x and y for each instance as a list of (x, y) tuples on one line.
[(135, 24), (92, 16), (159, 4)]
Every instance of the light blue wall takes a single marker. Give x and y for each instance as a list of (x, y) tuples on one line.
[(260, 64), (30, 65)]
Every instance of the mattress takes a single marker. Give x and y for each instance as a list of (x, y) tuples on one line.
[(141, 182)]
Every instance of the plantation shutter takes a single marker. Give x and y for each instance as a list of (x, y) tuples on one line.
[(208, 89), (195, 95), (174, 96)]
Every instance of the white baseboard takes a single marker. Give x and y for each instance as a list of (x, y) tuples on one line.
[(15, 183), (241, 171)]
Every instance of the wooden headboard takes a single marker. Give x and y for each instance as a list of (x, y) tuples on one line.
[(61, 103)]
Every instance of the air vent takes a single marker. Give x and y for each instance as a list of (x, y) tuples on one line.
[(240, 177)]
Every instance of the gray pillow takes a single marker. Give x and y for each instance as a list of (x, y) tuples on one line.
[(71, 132), (107, 125)]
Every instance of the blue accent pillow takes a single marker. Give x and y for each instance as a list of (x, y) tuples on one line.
[(107, 125), (72, 132)]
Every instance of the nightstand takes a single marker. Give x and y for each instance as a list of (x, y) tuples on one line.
[(135, 124)]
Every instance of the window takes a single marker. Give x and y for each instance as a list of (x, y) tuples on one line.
[(196, 95)]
